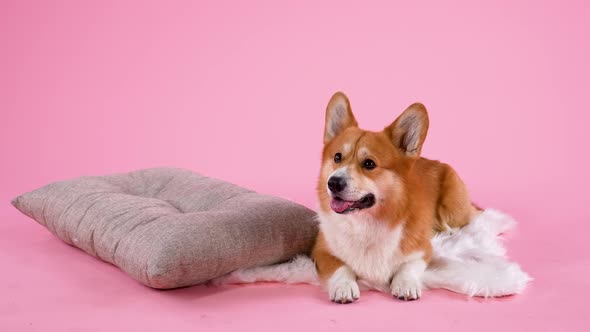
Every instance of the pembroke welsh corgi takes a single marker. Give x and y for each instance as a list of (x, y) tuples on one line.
[(380, 203)]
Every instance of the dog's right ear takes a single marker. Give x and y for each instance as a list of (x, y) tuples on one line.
[(338, 116)]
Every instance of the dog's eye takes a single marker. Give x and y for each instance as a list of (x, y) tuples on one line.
[(338, 157), (369, 164)]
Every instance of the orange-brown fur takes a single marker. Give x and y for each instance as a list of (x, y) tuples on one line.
[(432, 198), (326, 263)]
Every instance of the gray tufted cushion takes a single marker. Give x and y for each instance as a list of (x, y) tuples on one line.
[(169, 227)]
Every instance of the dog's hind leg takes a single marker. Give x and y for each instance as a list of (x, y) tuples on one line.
[(455, 208)]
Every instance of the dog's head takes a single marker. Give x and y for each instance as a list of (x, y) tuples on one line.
[(364, 171)]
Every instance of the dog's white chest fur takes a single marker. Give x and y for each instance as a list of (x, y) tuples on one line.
[(370, 248)]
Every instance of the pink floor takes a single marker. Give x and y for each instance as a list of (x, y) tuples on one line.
[(49, 286), (237, 90)]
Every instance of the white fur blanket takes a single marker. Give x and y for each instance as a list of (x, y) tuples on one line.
[(471, 260)]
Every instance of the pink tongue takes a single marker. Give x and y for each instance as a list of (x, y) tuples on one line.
[(340, 205)]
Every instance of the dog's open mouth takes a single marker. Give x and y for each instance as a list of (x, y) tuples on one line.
[(340, 205)]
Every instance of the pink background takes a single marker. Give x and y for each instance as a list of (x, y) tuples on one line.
[(237, 90)]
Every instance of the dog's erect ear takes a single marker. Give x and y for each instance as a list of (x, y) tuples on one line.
[(338, 116), (408, 131)]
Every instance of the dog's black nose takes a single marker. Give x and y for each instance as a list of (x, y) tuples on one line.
[(336, 184)]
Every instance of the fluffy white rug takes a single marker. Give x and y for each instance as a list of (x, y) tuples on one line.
[(471, 260)]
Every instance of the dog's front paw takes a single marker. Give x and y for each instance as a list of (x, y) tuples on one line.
[(344, 291), (406, 288)]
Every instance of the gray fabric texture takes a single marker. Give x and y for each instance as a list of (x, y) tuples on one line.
[(169, 227)]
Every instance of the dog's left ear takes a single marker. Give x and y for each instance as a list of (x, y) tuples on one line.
[(408, 131)]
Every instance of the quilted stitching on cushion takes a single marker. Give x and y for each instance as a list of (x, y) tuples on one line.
[(169, 227)]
